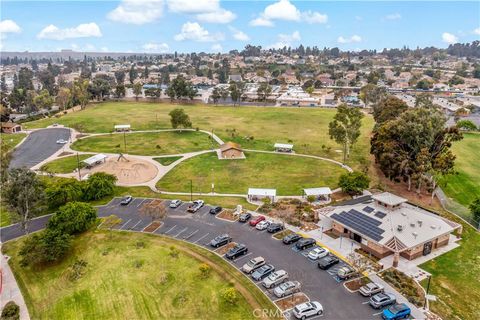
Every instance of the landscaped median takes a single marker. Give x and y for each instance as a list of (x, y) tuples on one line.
[(136, 276)]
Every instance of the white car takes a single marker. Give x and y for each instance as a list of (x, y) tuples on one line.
[(318, 253), (275, 278), (175, 203), (61, 141), (307, 309), (262, 225)]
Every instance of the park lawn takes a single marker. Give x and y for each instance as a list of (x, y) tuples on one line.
[(9, 141), (288, 174), (455, 277), (464, 187), (124, 280), (5, 216), (64, 164), (147, 143), (166, 161), (252, 127)]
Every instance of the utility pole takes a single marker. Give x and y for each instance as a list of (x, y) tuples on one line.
[(191, 190), (78, 167), (124, 142)]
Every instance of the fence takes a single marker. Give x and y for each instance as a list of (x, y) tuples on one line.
[(456, 208)]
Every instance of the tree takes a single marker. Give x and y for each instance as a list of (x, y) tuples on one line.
[(388, 108), (64, 97), (43, 100), (371, 94), (120, 91), (23, 193), (137, 89), (264, 91), (235, 92), (345, 127), (155, 210), (466, 125), (179, 118), (72, 218), (120, 77), (47, 79), (100, 87), (45, 247), (80, 92), (63, 191), (215, 95), (132, 74), (98, 186), (475, 210), (224, 93), (11, 311), (145, 72), (353, 182), (25, 79), (310, 89)]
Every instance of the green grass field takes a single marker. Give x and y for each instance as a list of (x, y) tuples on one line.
[(125, 281), (464, 187), (9, 141), (165, 161), (147, 143), (252, 127), (65, 164), (288, 174)]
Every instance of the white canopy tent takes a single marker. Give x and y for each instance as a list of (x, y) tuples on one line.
[(96, 159), (283, 147), (322, 193), (122, 127), (257, 194)]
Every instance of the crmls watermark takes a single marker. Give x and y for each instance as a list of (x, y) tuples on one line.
[(267, 313)]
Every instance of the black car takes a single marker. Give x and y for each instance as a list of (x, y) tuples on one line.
[(328, 261), (275, 227), (238, 250), (216, 210), (220, 240), (262, 272), (126, 200), (291, 238), (244, 217), (305, 243)]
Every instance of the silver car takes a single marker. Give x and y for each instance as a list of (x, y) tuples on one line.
[(275, 278), (253, 264), (175, 203), (287, 288), (370, 289)]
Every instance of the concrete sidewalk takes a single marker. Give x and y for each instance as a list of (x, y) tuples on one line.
[(10, 290)]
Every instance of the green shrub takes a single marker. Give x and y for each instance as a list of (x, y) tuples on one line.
[(230, 295), (205, 270), (11, 311)]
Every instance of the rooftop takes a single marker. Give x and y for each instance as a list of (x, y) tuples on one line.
[(389, 198)]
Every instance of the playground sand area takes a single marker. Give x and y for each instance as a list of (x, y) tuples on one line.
[(127, 169)]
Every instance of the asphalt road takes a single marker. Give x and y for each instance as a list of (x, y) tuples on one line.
[(38, 146)]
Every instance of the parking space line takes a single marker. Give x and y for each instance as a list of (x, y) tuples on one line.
[(141, 202), (136, 224), (123, 225), (190, 235), (181, 231), (365, 302), (166, 232), (376, 314), (155, 229), (238, 259), (201, 238)]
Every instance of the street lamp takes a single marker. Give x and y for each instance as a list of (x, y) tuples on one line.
[(426, 294)]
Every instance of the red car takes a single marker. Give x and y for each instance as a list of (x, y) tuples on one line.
[(255, 221)]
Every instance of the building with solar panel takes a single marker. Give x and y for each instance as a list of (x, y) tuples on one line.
[(386, 224)]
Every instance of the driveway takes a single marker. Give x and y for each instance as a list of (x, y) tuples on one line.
[(38, 146)]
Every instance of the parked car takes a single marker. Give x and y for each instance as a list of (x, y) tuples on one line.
[(318, 253), (328, 261), (275, 278), (397, 311), (287, 288), (255, 221), (262, 225), (305, 243), (220, 240), (195, 206), (244, 217), (126, 200), (238, 250), (291, 238), (253, 264), (61, 141), (262, 272), (175, 203), (346, 272), (307, 309), (216, 210), (275, 227), (381, 300), (370, 289)]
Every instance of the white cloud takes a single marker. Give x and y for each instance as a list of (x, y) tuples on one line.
[(90, 47), (104, 49), (239, 35), (314, 17), (137, 11), (261, 22), (83, 30), (354, 38), (219, 16), (9, 26), (286, 40), (193, 6), (154, 47), (477, 31), (195, 32), (285, 10), (449, 38), (393, 16), (217, 47)]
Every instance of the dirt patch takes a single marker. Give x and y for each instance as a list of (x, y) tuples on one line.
[(63, 154), (228, 214), (222, 250), (130, 170), (291, 301), (293, 211), (340, 196), (309, 226), (153, 226), (280, 235), (355, 284), (331, 234)]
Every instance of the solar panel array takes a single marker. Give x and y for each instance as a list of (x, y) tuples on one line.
[(361, 223), (368, 209), (380, 214)]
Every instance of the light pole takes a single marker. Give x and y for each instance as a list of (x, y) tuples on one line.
[(124, 142), (78, 168), (191, 190), (426, 294)]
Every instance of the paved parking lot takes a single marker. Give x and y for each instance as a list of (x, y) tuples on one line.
[(200, 228)]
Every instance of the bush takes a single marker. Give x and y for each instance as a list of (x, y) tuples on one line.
[(173, 252), (311, 198), (353, 182), (99, 185), (72, 218), (205, 270), (11, 311), (230, 295), (47, 246), (77, 270)]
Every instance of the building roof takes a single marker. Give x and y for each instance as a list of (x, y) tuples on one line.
[(94, 159), (230, 145), (122, 126), (317, 191), (9, 124), (262, 192), (283, 146), (389, 198), (397, 229)]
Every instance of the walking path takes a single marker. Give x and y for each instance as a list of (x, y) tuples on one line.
[(9, 290)]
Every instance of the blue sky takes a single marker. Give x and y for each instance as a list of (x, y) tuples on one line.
[(213, 25)]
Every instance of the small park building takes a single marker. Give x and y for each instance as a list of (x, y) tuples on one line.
[(231, 150), (257, 194), (11, 127)]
